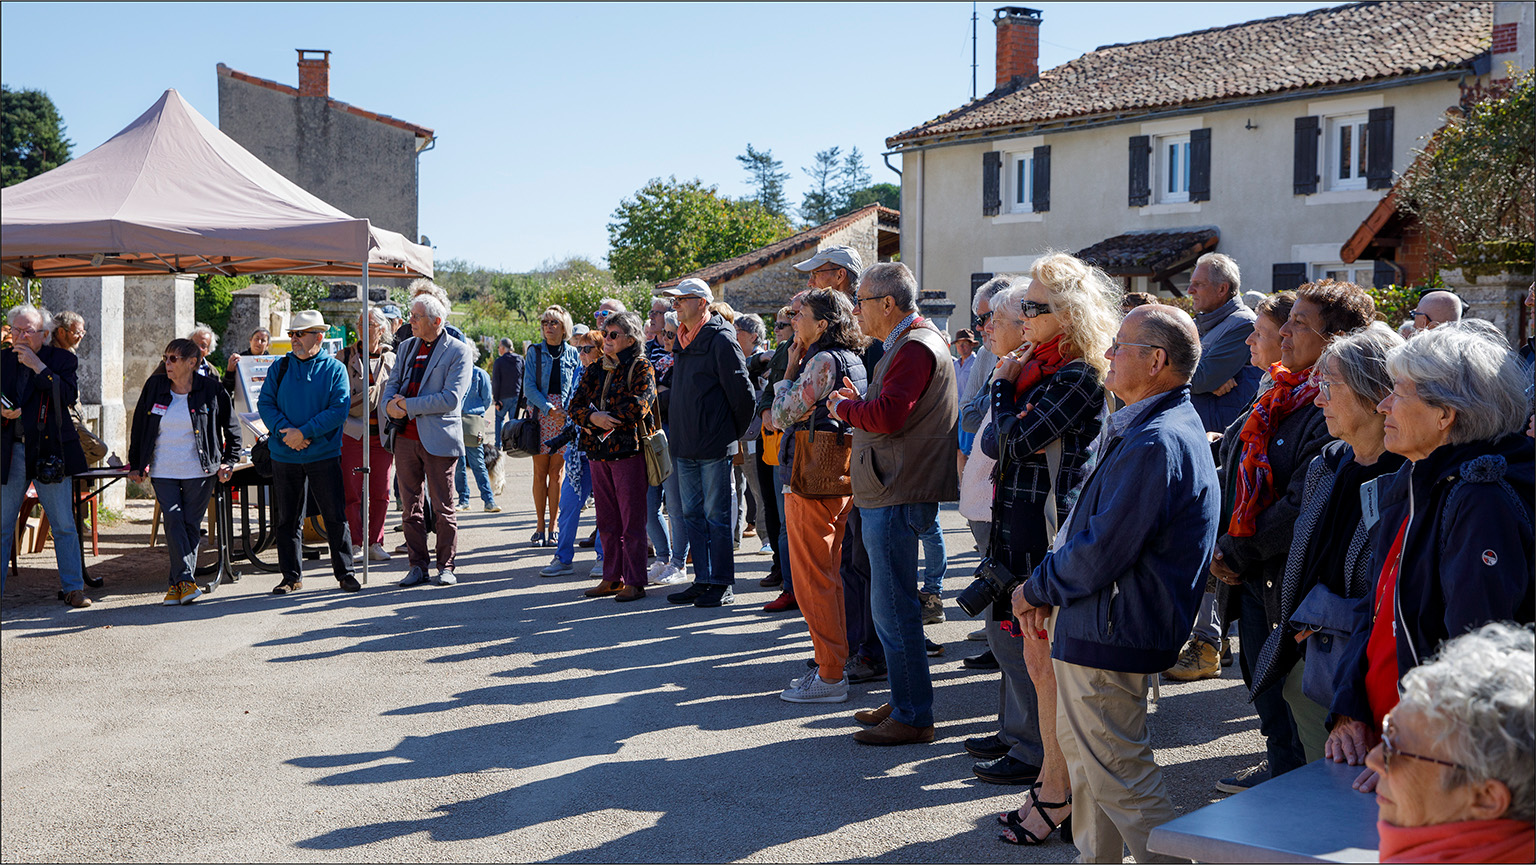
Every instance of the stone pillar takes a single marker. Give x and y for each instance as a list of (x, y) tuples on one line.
[(936, 307), (157, 310), (1498, 298), (100, 301), (251, 307)]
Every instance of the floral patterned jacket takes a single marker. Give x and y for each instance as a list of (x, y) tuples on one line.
[(626, 389)]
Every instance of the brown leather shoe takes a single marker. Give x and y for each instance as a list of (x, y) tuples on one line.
[(872, 717), (77, 598), (893, 732), (605, 588), (630, 593)]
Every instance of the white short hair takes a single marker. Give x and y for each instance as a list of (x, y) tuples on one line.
[(44, 317), (431, 306), (1223, 269), (213, 338), (1460, 366)]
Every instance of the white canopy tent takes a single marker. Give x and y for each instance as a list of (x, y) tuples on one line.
[(170, 193)]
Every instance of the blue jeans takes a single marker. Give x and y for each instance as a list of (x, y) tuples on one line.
[(1282, 744), (705, 487), (890, 537), (677, 531), (502, 416), (934, 558), (571, 500), (55, 500), (183, 505), (781, 480), (654, 529), (476, 459)]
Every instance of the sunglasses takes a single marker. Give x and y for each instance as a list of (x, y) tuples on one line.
[(669, 334), (981, 320), (174, 358), (602, 314), (613, 334), (1032, 309), (588, 349)]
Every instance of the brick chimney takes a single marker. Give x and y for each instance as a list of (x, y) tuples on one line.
[(1018, 43), (315, 72)]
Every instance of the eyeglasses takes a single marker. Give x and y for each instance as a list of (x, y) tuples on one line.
[(1032, 309), (1324, 386), (871, 297), (1427, 320), (1389, 750), (25, 331), (1114, 347)]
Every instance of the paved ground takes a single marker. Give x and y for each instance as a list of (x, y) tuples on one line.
[(506, 718)]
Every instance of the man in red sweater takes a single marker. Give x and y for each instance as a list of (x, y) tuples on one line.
[(902, 466)]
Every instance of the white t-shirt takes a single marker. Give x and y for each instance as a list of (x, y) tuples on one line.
[(175, 449)]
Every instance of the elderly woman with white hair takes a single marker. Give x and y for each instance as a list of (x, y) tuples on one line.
[(1455, 762), (1329, 565), (362, 425), (1453, 549)]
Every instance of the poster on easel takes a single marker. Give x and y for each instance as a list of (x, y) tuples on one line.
[(252, 373)]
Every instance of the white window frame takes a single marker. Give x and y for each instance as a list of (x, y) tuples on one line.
[(1172, 168), (1361, 273), (1331, 156), (1021, 181), (1011, 210)]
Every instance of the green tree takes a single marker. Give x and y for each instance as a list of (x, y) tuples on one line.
[(823, 200), (888, 194), (33, 134), (852, 178), (1473, 186), (211, 296), (767, 179), (673, 227)]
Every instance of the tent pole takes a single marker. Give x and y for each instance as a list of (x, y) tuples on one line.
[(363, 351)]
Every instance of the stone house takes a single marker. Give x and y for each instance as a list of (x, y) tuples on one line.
[(763, 280), (359, 161), (1270, 140)]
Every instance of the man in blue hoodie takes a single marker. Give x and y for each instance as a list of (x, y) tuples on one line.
[(1119, 589), (304, 403)]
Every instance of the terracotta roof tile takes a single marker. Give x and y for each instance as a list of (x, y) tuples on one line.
[(1150, 253), (1358, 42), (761, 257)]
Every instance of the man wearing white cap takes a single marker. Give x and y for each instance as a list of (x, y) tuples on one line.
[(711, 406), (304, 403)]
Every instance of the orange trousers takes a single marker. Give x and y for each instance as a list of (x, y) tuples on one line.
[(815, 555)]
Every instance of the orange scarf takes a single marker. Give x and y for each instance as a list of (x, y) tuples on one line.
[(1465, 841), (1255, 476), (1044, 361)]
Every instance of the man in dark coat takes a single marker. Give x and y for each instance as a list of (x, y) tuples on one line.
[(507, 384)]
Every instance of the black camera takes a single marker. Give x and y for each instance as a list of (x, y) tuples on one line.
[(50, 470), (562, 438), (993, 583)]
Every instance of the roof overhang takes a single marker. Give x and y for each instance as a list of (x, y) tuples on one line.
[(1157, 255)]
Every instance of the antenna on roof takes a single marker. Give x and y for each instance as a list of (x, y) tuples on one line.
[(973, 50)]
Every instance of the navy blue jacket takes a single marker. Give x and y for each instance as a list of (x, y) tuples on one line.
[(32, 393), (1132, 567), (1467, 558), (710, 405)]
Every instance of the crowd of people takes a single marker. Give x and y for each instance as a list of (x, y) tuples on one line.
[(1138, 481)]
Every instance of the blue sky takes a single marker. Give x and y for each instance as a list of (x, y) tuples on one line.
[(548, 114)]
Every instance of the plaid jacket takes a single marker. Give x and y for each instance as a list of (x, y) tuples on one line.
[(1067, 406)]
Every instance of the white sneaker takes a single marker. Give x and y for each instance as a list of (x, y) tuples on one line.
[(671, 575), (415, 577), (557, 568), (446, 578), (597, 569), (377, 553), (357, 552), (811, 688), (767, 550), (656, 569)]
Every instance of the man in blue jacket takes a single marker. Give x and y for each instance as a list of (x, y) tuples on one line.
[(710, 408), (1119, 589), (304, 403)]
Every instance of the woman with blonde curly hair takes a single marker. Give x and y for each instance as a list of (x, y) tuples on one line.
[(1047, 407), (549, 378)]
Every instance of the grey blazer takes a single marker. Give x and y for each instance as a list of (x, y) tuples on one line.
[(435, 408)]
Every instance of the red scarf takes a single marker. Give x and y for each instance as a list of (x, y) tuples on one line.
[(1044, 361), (1464, 841), (1255, 477)]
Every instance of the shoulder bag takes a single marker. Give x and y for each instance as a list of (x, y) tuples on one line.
[(820, 469), (95, 449), (653, 441), (261, 452)]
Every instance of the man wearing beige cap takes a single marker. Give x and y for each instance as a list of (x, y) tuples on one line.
[(304, 402)]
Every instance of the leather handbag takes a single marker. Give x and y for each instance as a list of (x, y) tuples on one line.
[(520, 437), (657, 451), (821, 465), (95, 449)]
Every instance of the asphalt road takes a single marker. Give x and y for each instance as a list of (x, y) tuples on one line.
[(505, 718)]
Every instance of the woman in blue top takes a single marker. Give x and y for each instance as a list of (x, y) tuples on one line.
[(549, 377), (476, 401)]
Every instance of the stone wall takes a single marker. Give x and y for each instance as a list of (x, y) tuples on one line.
[(764, 290), (254, 306), (1498, 298), (100, 301), (157, 310)]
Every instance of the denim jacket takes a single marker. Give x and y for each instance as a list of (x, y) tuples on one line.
[(536, 373), (478, 397)]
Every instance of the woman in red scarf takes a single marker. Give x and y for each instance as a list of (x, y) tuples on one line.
[(1264, 456), (1457, 782)]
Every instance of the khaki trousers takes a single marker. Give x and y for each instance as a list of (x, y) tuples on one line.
[(816, 529), (1118, 795)]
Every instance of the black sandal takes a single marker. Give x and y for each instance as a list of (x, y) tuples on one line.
[(1025, 838)]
